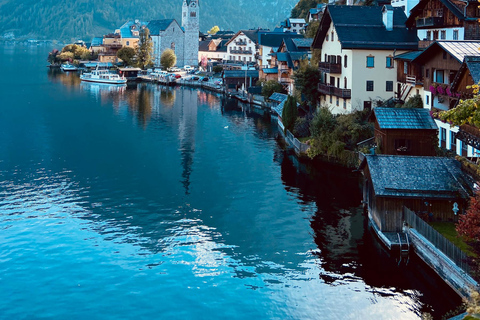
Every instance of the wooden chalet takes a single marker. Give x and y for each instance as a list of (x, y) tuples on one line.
[(401, 131), (445, 20), (432, 187)]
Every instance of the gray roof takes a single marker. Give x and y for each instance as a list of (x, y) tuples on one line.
[(303, 43), (403, 118), (456, 48), (240, 73), (418, 177), (155, 26), (408, 56), (361, 27), (278, 97)]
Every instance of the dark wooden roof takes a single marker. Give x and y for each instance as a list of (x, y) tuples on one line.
[(361, 27), (418, 177), (471, 64)]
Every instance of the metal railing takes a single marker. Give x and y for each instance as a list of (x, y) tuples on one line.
[(439, 241)]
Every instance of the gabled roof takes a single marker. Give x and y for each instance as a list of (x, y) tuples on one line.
[(97, 41), (251, 34), (471, 64), (403, 118), (278, 97), (274, 39), (156, 26), (127, 27), (361, 27), (456, 7), (408, 56), (418, 177), (456, 48), (203, 45), (303, 43)]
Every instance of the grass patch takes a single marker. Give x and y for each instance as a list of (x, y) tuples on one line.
[(447, 229)]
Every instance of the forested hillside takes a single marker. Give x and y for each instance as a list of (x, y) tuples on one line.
[(83, 19), (302, 8)]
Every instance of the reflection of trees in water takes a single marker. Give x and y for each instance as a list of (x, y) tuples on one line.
[(68, 79), (167, 96), (139, 100)]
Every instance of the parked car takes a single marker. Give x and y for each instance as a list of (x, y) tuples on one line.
[(205, 79), (188, 68), (174, 69), (195, 78)]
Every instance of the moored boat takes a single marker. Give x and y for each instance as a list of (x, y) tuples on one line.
[(68, 67), (103, 76)]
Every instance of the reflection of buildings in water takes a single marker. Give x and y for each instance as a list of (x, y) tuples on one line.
[(187, 105)]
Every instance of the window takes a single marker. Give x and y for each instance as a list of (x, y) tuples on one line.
[(427, 100), (327, 37), (439, 76), (369, 85), (435, 35), (333, 37), (338, 82), (405, 67), (172, 46), (344, 104), (128, 43), (389, 86), (184, 14), (455, 34), (429, 35), (193, 14), (389, 62), (330, 99), (337, 102), (370, 62), (345, 82), (444, 56), (453, 141), (443, 134), (294, 24), (443, 34), (345, 61), (326, 58)]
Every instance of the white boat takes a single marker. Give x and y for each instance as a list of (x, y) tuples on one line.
[(103, 76), (68, 67)]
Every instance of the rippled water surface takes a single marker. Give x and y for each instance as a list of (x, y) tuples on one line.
[(143, 202)]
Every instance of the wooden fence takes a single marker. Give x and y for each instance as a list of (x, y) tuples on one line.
[(440, 242)]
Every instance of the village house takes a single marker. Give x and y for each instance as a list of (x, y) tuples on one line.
[(432, 187), (269, 42), (183, 40), (287, 60), (111, 44), (402, 131), (213, 49), (358, 45), (445, 20), (316, 13), (130, 32), (243, 47), (432, 73), (295, 25)]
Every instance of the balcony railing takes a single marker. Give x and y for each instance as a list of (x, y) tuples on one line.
[(430, 22), (330, 67), (241, 43), (334, 91), (241, 51)]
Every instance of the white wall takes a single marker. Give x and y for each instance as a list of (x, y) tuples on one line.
[(422, 33)]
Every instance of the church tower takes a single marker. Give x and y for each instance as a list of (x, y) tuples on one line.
[(190, 15)]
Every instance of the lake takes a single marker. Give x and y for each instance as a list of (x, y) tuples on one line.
[(146, 202)]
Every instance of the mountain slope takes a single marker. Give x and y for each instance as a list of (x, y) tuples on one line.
[(83, 19)]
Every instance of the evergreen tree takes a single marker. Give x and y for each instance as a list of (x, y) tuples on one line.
[(289, 113), (144, 49), (306, 80)]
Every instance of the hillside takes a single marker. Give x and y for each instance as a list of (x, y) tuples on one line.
[(83, 19)]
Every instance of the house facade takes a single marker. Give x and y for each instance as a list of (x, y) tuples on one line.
[(242, 47), (358, 46), (130, 32), (445, 20)]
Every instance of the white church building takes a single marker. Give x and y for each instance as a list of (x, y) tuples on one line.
[(168, 34)]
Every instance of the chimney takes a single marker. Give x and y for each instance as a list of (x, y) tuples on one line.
[(387, 17)]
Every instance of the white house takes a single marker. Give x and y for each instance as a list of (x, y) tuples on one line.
[(242, 47), (358, 45)]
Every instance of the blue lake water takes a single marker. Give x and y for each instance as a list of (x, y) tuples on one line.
[(148, 202)]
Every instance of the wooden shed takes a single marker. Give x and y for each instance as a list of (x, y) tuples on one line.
[(433, 187), (401, 131)]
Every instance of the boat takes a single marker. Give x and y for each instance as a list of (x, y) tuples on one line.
[(103, 76), (68, 67)]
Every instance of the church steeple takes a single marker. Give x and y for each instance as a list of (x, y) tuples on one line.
[(190, 24)]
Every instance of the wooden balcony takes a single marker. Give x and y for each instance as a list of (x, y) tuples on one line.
[(334, 91), (330, 67), (430, 22)]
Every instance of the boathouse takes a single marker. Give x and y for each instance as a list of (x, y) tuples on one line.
[(435, 188), (401, 131)]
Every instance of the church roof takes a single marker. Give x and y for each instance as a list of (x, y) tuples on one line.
[(155, 26)]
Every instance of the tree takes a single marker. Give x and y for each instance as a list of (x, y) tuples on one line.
[(270, 87), (66, 56), (306, 80), (468, 224), (303, 7), (214, 30), (289, 113), (145, 49), (312, 29), (466, 112), (414, 102), (127, 55), (217, 69), (168, 59), (53, 57)]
